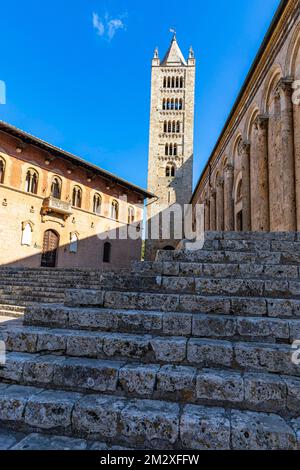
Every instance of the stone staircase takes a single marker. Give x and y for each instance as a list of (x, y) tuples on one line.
[(22, 287), (192, 351)]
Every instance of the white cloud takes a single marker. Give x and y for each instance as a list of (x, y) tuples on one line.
[(107, 27), (98, 25)]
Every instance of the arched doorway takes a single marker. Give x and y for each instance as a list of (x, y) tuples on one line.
[(50, 246)]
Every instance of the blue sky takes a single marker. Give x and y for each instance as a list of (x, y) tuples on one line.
[(78, 72)]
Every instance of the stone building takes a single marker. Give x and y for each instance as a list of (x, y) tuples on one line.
[(171, 142), (251, 181), (56, 209)]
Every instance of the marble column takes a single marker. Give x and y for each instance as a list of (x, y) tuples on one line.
[(220, 204), (212, 212), (260, 197), (287, 150), (246, 190), (228, 200), (206, 216)]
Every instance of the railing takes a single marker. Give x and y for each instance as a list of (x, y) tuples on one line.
[(52, 204)]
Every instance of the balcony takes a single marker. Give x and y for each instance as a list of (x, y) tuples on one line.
[(56, 206)]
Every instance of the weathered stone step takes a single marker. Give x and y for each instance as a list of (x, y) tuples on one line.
[(198, 352), (165, 324), (258, 246), (235, 305), (230, 388), (216, 270), (142, 423)]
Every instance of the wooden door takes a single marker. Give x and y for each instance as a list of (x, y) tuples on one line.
[(50, 246)]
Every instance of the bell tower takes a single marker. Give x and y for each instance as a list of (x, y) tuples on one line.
[(171, 141)]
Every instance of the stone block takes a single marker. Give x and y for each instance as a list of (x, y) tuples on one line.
[(204, 428), (171, 350), (13, 400), (221, 386), (84, 297), (126, 346), (177, 323), (138, 379), (213, 326), (177, 381), (209, 353), (264, 391)]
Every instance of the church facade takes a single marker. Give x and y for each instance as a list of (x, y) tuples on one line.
[(252, 179), (57, 210), (171, 140)]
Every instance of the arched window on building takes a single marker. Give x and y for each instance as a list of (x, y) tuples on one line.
[(166, 149), (171, 149), (164, 104), (56, 187), (114, 210), (165, 82), (76, 197), (239, 191), (106, 252), (175, 150), (173, 126), (169, 126), (97, 202), (130, 218), (2, 170), (170, 170), (180, 104), (169, 82), (165, 126), (168, 103), (173, 82), (181, 82), (73, 242), (31, 183), (172, 104), (177, 82), (178, 127)]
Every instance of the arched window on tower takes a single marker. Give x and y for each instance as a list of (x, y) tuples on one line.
[(177, 82), (181, 82), (172, 103), (168, 103), (31, 182), (170, 170), (173, 126), (76, 197), (176, 104), (165, 82), (169, 126), (169, 82), (173, 82), (165, 126), (114, 210), (130, 216), (166, 149), (97, 202), (171, 149), (175, 150), (178, 127), (180, 104), (164, 104), (56, 187), (2, 170)]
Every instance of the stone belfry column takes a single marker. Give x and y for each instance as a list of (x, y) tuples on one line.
[(261, 206), (228, 201), (206, 216), (220, 204), (212, 212), (287, 150), (246, 195)]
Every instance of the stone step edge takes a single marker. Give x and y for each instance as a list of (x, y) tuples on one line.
[(255, 391), (178, 302), (144, 423), (159, 324)]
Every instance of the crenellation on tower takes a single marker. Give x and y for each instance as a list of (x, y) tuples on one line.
[(171, 140)]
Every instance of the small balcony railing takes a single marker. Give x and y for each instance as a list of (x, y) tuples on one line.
[(52, 204)]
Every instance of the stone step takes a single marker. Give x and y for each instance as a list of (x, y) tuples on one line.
[(196, 352), (188, 385), (224, 305), (143, 423), (229, 256), (166, 324), (258, 246), (216, 270)]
